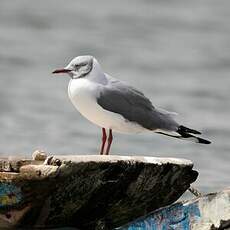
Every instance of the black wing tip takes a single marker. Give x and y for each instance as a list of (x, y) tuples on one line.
[(203, 141), (186, 133), (184, 129)]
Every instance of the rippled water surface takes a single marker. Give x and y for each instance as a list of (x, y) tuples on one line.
[(177, 52)]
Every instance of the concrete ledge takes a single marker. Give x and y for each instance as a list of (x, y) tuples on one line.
[(89, 191), (115, 158)]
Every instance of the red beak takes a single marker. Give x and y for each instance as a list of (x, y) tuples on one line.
[(61, 71)]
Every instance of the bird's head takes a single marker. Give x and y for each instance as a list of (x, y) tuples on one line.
[(79, 67)]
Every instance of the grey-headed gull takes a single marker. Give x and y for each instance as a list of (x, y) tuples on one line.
[(114, 105)]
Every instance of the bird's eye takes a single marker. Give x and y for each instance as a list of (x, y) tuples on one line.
[(77, 66)]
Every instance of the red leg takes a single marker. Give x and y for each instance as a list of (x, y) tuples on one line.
[(103, 141), (110, 140)]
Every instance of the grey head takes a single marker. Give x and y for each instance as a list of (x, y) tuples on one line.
[(79, 67)]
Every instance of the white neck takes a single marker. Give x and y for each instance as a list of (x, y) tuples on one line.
[(97, 74)]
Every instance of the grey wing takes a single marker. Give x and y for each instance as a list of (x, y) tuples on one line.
[(134, 107)]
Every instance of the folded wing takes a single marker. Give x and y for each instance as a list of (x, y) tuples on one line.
[(125, 100)]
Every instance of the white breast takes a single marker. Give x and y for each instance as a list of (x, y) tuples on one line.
[(83, 94)]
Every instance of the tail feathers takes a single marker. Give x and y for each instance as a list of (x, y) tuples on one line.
[(186, 136), (190, 137)]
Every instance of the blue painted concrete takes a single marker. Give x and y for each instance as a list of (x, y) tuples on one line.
[(175, 217), (9, 195)]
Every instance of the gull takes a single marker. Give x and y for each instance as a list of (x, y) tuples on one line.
[(116, 106)]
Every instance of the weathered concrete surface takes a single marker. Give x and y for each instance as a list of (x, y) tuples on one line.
[(209, 212), (89, 191)]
